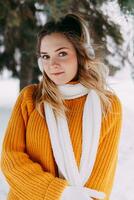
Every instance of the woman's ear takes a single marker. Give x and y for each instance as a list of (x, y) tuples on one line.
[(40, 65)]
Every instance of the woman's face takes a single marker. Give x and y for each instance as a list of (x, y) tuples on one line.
[(59, 58)]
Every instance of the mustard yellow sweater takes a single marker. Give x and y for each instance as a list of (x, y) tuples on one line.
[(27, 160)]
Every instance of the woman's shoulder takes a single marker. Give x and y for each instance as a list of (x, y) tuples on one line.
[(113, 115), (115, 103), (26, 99), (26, 95), (28, 91)]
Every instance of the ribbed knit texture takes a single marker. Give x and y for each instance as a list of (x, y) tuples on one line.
[(27, 158)]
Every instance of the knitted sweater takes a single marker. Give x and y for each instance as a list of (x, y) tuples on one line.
[(27, 159)]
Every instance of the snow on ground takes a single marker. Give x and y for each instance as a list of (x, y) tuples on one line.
[(124, 87), (123, 186)]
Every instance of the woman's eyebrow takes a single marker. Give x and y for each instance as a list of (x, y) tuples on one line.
[(61, 48), (55, 50)]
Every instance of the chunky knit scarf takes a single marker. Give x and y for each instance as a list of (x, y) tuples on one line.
[(61, 142)]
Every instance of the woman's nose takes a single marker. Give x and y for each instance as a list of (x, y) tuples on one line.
[(54, 63)]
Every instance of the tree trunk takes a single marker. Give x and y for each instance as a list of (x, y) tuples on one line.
[(26, 72)]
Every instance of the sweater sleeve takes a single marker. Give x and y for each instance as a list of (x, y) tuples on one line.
[(26, 178), (103, 173)]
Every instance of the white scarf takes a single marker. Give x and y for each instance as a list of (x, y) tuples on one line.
[(61, 142)]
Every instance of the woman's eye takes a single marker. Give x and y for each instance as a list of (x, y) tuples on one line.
[(45, 57), (61, 54)]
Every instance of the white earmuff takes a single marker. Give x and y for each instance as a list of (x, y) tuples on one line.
[(40, 65), (88, 44)]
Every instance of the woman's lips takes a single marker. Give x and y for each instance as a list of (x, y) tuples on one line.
[(58, 73)]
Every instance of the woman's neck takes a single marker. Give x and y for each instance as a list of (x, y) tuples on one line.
[(73, 82)]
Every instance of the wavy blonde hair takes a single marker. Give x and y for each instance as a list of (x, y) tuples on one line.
[(91, 72)]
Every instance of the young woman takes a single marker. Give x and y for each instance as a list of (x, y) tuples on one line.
[(62, 139)]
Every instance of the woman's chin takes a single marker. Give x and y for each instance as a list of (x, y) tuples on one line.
[(60, 82)]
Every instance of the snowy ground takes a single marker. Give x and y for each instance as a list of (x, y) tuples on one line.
[(124, 87)]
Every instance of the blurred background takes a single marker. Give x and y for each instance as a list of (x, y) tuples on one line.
[(111, 25)]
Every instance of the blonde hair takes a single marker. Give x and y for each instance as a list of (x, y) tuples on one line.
[(91, 72)]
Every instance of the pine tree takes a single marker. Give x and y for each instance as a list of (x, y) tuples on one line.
[(19, 25), (18, 32)]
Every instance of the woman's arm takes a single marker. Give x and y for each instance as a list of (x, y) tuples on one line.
[(103, 173), (26, 178)]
